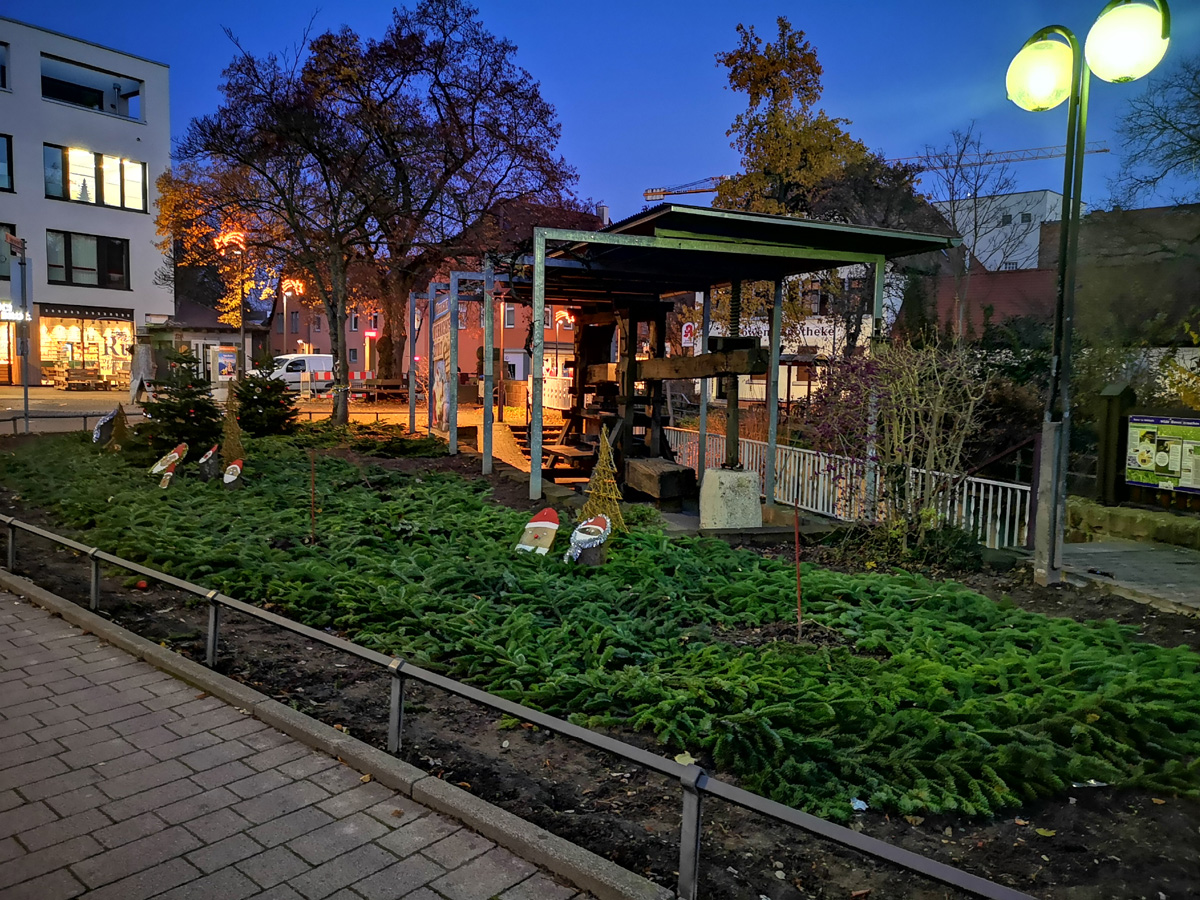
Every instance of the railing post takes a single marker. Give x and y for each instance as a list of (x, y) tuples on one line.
[(214, 625), (396, 712), (12, 546), (94, 592), (689, 835)]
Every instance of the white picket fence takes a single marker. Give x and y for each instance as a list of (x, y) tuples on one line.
[(996, 512)]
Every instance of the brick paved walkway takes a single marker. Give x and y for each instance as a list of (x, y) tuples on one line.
[(121, 782)]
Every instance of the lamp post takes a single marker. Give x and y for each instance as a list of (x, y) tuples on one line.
[(291, 287), (235, 243), (1126, 42)]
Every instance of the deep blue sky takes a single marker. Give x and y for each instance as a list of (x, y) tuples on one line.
[(640, 98)]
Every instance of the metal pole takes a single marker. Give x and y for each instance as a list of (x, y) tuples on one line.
[(539, 335), (396, 713), (214, 625), (705, 322), (12, 547), (27, 313), (776, 338), (732, 410), (877, 347), (94, 594), (412, 362), (689, 835), (1051, 489), (430, 312), (452, 367), (489, 340)]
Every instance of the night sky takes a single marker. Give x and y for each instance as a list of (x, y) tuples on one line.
[(641, 101)]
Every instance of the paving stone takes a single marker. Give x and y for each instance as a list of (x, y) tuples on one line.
[(28, 753), (223, 853), (151, 799), (400, 879), (134, 857), (228, 884), (484, 877), (342, 871), (30, 772), (248, 725), (138, 725), (265, 740), (60, 784), (153, 736), (76, 800), (58, 885), (19, 696), (222, 775), (336, 838), (425, 831), (279, 892), (149, 883), (284, 828), (276, 756), (117, 700), (95, 692), (120, 673), (19, 725), (96, 753), (57, 730), (144, 779), (147, 676), (275, 866), (64, 829), (539, 887), (183, 746), (307, 765), (216, 825), (27, 709), (455, 850), (15, 741), (343, 778), (194, 724), (129, 830), (258, 784), (117, 714), (25, 817), (280, 801), (114, 768), (66, 685), (83, 740), (10, 849), (41, 862), (355, 799), (9, 799), (397, 811), (218, 754), (199, 805)]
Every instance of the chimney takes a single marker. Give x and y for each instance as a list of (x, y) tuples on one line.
[(602, 212)]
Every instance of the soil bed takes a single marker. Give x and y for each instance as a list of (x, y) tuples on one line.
[(1099, 842)]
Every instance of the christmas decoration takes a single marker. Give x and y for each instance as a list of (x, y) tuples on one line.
[(264, 404), (168, 461), (120, 434), (539, 534), (233, 475), (231, 433), (183, 410), (604, 497), (168, 474), (210, 465), (587, 539), (102, 433)]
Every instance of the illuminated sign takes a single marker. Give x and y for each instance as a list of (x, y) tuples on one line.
[(372, 333), (10, 314)]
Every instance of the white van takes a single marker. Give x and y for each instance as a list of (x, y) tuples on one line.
[(292, 366)]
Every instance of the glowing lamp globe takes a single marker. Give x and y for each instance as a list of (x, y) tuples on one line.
[(1039, 77), (1126, 42)]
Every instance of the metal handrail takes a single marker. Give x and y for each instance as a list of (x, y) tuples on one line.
[(694, 781)]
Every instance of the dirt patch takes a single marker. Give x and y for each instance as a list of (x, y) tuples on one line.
[(810, 636), (1099, 843)]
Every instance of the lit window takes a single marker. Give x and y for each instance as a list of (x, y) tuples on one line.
[(6, 181), (135, 180), (94, 178), (82, 175), (5, 258), (87, 260)]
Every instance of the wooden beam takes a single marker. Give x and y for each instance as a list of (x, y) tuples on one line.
[(707, 365)]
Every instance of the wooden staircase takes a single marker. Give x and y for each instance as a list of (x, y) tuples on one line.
[(551, 434)]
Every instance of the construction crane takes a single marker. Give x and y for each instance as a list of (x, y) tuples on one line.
[(991, 157)]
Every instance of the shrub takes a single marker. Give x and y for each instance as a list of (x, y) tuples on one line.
[(265, 406)]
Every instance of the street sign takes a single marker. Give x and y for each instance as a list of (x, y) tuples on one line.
[(689, 334), (17, 244), (371, 333)]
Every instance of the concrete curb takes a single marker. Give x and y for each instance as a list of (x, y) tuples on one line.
[(1110, 586), (586, 870)]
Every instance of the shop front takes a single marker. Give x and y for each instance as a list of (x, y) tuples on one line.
[(84, 347), (10, 343)]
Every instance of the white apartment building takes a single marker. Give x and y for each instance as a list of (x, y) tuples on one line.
[(84, 133), (1002, 231)]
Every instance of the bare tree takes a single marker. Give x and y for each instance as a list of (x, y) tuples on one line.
[(1160, 135), (978, 199)]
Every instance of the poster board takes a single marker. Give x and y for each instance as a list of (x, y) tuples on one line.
[(441, 363), (1163, 452)]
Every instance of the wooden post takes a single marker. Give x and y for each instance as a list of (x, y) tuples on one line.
[(412, 361), (702, 450), (489, 340), (732, 412), (539, 337), (658, 343), (452, 368), (775, 338)]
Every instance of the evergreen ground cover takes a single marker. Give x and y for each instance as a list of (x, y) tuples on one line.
[(941, 699)]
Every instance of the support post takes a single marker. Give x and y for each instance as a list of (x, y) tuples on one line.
[(396, 711), (430, 308), (733, 434), (877, 347), (702, 451), (489, 341), (94, 592), (775, 337), (689, 835), (452, 368), (412, 361), (214, 627), (539, 335), (12, 547)]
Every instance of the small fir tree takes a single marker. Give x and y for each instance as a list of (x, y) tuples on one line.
[(604, 497), (264, 404), (231, 433), (184, 410), (119, 439)]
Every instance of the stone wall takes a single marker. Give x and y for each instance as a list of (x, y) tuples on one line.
[(1089, 521)]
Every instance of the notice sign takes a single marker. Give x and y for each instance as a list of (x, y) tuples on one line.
[(1164, 453), (688, 334)]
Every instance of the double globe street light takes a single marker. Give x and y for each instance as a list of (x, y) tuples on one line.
[(1126, 42)]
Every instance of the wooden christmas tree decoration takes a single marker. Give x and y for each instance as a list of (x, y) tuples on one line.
[(231, 433), (120, 431), (604, 497)]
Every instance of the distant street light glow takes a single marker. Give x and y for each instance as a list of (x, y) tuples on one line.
[(1126, 42), (1039, 77)]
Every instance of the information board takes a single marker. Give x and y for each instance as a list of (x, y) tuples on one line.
[(1163, 453)]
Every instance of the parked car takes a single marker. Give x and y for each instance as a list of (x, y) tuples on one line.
[(292, 366)]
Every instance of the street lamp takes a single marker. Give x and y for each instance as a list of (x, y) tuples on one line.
[(290, 287), (1126, 42), (560, 315), (235, 243)]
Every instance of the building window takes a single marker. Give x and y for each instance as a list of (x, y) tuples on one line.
[(4, 66), (279, 324), (94, 177), (1008, 266), (5, 257), (510, 316), (462, 316), (353, 351), (295, 323), (87, 260), (374, 321), (6, 179), (316, 325), (66, 82), (1006, 219), (1026, 218), (569, 323), (354, 321), (547, 312)]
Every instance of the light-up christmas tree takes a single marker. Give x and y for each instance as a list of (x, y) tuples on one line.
[(604, 497)]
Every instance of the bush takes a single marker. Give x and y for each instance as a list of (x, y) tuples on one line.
[(184, 411), (265, 406)]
